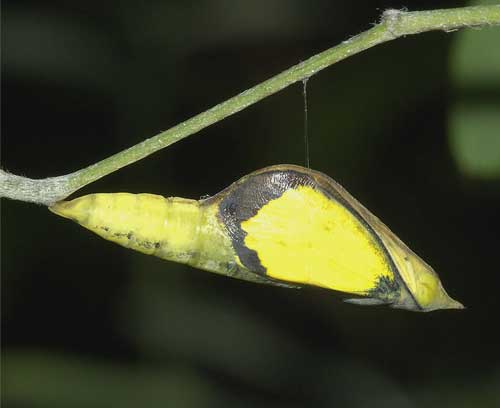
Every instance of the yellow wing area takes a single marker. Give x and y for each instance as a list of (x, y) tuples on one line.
[(306, 237)]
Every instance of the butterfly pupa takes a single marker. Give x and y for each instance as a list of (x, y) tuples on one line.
[(283, 225)]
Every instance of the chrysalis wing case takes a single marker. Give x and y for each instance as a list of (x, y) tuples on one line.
[(284, 225)]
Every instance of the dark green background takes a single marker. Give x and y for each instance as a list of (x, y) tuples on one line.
[(86, 323)]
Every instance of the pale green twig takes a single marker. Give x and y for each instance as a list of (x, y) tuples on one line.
[(393, 24)]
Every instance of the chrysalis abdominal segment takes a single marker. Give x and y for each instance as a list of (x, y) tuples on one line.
[(283, 225), (175, 229)]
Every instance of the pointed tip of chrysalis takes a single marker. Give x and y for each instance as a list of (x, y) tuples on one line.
[(444, 301), (60, 208), (453, 304), (75, 210)]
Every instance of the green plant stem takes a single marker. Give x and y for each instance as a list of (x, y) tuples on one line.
[(393, 24)]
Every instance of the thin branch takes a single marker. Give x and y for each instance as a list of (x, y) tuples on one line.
[(393, 24), (44, 191)]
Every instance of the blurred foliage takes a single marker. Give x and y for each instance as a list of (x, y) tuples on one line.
[(475, 116), (86, 323), (475, 138)]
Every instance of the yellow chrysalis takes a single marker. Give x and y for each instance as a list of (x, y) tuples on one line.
[(283, 225)]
